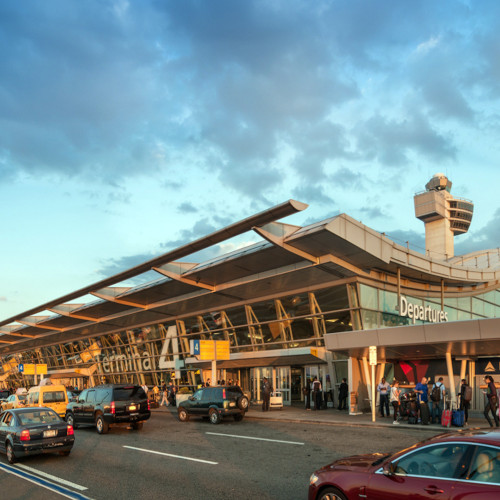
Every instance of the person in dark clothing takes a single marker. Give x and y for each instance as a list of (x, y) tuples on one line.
[(343, 390), (266, 390), (316, 390), (491, 394), (465, 395)]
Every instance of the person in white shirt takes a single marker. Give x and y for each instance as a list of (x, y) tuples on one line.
[(384, 390), (395, 393)]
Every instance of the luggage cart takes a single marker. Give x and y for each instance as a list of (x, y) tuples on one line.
[(276, 400)]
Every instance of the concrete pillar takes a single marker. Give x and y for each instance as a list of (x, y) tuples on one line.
[(451, 378), (369, 382)]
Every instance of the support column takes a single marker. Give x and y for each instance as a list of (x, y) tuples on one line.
[(463, 369), (366, 370), (451, 378), (472, 382)]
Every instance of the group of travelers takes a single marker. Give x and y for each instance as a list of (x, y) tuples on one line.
[(316, 398), (168, 394), (426, 403)]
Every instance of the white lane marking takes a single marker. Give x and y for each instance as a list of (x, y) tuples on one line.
[(256, 438), (53, 478), (173, 456)]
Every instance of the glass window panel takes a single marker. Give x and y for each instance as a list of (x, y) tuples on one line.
[(369, 297), (331, 299), (388, 301), (477, 306), (338, 322), (464, 303)]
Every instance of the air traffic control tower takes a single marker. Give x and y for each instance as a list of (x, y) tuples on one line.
[(443, 215)]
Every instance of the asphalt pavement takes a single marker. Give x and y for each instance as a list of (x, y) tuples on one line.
[(332, 416)]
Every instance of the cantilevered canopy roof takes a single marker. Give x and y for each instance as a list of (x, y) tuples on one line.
[(289, 258), (471, 338)]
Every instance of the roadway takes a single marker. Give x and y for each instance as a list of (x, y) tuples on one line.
[(255, 458)]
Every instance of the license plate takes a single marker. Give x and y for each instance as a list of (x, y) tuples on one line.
[(132, 408), (49, 434)]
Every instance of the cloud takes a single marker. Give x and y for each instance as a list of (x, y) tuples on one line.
[(187, 207), (485, 238), (428, 45)]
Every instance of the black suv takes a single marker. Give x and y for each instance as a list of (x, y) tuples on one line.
[(214, 403), (109, 405)]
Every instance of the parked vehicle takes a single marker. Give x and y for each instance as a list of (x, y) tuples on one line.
[(14, 401), (109, 405), (32, 431), (50, 396), (460, 465), (214, 403)]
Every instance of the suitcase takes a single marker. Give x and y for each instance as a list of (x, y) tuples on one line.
[(424, 413), (458, 418), (446, 418)]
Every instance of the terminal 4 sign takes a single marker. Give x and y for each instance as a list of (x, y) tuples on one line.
[(31, 369), (210, 349)]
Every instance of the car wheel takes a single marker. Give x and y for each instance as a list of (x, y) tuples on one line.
[(243, 403), (137, 426), (331, 494), (101, 425), (182, 414), (10, 454), (65, 453), (70, 419), (238, 417), (214, 416)]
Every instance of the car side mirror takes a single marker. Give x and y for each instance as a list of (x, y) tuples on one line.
[(389, 469)]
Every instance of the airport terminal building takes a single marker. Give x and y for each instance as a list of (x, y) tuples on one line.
[(304, 302)]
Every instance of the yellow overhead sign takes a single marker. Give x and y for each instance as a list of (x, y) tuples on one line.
[(29, 369), (211, 349)]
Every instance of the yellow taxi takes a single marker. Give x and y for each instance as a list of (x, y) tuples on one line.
[(50, 396), (14, 401)]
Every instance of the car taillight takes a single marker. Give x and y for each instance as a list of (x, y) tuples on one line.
[(25, 435), (223, 393), (113, 408), (70, 431), (149, 405)]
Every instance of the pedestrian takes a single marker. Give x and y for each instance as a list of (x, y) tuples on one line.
[(266, 389), (156, 392), (465, 399), (171, 393), (316, 390), (307, 394), (164, 399), (438, 394), (145, 389), (384, 391), (343, 391), (208, 383), (422, 391), (395, 393), (492, 404)]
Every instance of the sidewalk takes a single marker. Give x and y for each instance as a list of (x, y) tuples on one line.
[(332, 416)]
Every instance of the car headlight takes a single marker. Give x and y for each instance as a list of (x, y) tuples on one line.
[(313, 479)]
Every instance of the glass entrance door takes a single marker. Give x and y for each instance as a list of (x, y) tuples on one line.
[(282, 383), (256, 377)]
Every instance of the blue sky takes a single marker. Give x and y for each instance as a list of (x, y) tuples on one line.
[(130, 128)]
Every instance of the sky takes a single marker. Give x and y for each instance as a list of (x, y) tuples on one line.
[(129, 128)]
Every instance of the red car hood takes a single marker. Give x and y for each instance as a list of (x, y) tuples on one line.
[(358, 462)]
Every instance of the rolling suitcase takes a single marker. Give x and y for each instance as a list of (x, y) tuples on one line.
[(424, 413), (458, 418), (446, 418)]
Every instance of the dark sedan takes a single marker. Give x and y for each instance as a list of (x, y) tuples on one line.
[(460, 465), (31, 431)]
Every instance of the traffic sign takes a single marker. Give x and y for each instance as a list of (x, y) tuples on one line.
[(20, 367), (373, 355)]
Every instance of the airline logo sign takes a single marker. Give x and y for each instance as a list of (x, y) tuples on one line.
[(488, 366), (416, 312)]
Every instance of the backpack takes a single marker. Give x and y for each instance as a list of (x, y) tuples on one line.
[(468, 393), (436, 393)]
